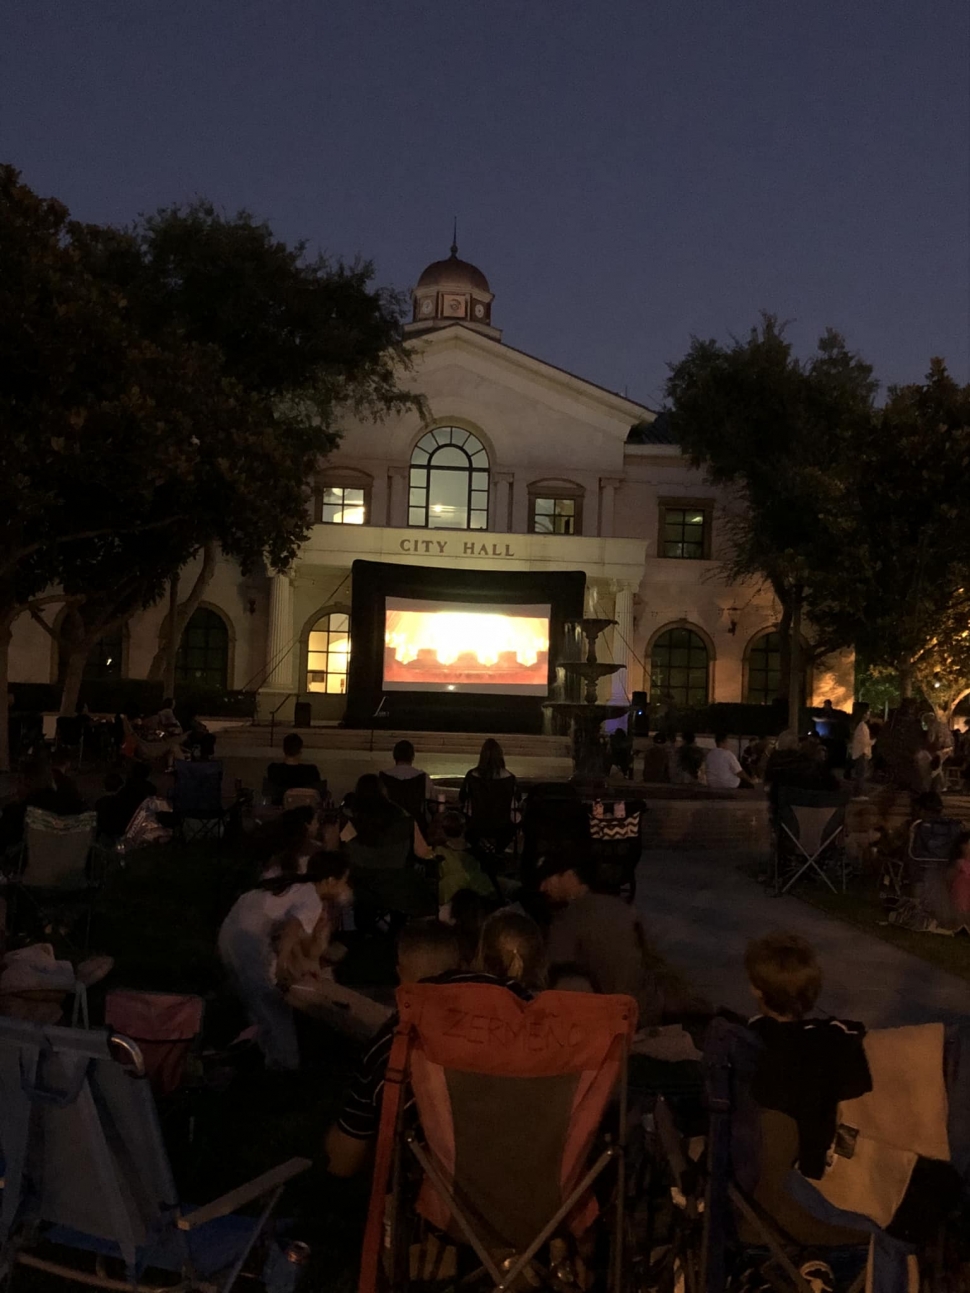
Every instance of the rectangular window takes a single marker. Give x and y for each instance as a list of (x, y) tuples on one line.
[(685, 530), (343, 505), (556, 515)]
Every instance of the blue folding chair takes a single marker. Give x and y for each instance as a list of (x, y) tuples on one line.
[(87, 1176), (197, 800)]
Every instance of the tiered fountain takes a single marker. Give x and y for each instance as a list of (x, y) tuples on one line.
[(588, 715)]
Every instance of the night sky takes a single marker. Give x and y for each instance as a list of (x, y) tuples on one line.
[(626, 172)]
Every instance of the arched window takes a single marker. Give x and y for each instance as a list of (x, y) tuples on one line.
[(328, 654), (203, 654), (449, 481), (679, 668), (764, 669)]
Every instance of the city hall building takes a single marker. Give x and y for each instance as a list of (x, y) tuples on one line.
[(519, 475)]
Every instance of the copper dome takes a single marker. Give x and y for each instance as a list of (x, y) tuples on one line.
[(454, 273)]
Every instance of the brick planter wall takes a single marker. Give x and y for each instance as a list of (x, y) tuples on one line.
[(707, 822)]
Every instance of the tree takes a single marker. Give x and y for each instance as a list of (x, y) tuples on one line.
[(902, 593), (775, 430), (118, 419), (97, 423), (309, 338)]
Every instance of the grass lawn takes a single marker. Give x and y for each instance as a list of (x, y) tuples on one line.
[(860, 906)]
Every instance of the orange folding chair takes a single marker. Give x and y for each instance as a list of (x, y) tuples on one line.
[(511, 1097)]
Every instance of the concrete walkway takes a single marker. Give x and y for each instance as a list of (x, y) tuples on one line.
[(699, 910)]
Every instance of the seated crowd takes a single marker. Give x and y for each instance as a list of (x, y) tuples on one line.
[(391, 868)]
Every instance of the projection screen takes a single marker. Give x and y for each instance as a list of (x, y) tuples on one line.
[(456, 647)]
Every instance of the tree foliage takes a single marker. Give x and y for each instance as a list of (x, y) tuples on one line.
[(773, 428), (181, 380), (901, 594), (857, 511)]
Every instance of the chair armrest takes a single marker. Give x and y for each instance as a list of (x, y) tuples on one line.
[(243, 1194)]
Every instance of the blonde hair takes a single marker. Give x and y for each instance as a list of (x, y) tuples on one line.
[(511, 947)]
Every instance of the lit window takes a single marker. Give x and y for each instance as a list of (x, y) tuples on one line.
[(343, 505), (328, 655), (684, 532), (449, 481), (679, 669), (554, 516)]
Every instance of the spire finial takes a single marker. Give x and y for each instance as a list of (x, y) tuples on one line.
[(454, 238)]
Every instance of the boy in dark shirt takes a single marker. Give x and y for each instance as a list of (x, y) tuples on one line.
[(807, 1065)]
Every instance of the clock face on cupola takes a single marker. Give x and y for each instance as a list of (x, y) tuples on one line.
[(452, 291)]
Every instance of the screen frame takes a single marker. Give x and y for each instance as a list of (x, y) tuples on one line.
[(372, 582)]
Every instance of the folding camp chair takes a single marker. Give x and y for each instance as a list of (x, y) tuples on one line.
[(301, 797), (87, 1173), (58, 868), (408, 793), (489, 808), (69, 731), (931, 840), (164, 1025), (511, 1096), (197, 800), (746, 1205), (809, 836), (615, 835)]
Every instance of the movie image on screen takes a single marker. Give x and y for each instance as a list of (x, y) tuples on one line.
[(450, 646)]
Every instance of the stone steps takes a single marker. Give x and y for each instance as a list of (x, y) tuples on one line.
[(515, 745)]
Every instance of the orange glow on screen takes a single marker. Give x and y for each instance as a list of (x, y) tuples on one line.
[(461, 650)]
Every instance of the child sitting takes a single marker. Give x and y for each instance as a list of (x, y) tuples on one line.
[(807, 1065), (458, 866)]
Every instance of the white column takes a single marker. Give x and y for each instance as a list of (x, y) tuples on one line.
[(608, 486), (397, 504), (622, 687), (520, 505), (281, 649), (501, 516)]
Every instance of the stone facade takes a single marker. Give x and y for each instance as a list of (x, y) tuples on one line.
[(548, 435)]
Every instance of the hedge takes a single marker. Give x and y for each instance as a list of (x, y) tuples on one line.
[(137, 695)]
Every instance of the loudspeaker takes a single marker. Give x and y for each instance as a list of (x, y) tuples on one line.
[(641, 714), (301, 714)]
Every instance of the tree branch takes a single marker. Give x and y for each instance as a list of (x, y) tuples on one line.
[(81, 535)]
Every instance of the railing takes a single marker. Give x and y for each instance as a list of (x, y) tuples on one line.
[(378, 713), (290, 695)]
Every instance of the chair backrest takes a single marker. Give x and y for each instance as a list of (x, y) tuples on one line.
[(57, 849), (932, 838), (752, 1149), (391, 852), (490, 802), (408, 793), (82, 1142), (163, 1024), (510, 1096), (197, 792), (69, 729), (812, 817), (301, 797)]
